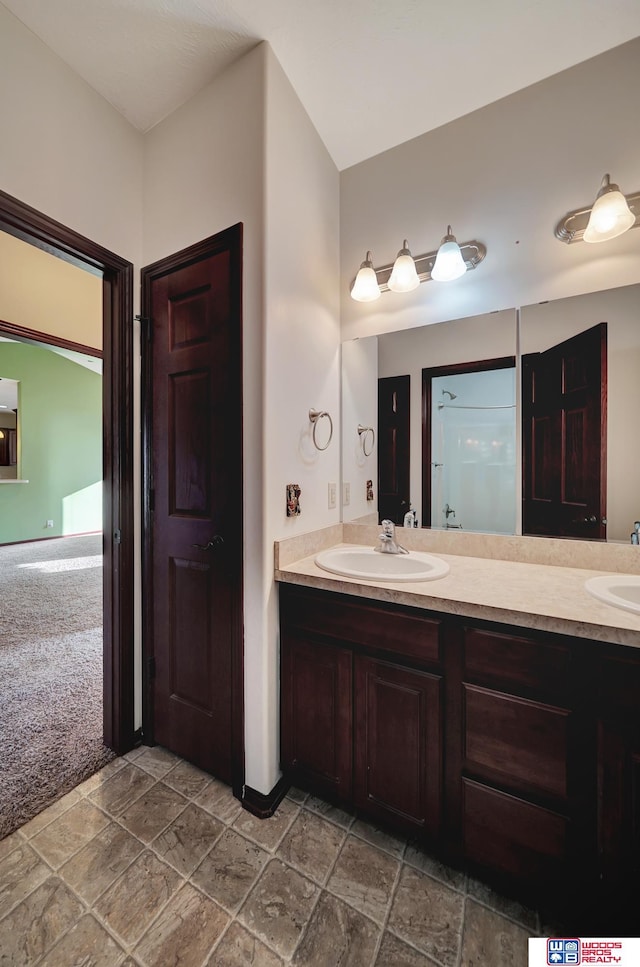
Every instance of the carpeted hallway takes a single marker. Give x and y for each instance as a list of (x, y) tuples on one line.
[(50, 673)]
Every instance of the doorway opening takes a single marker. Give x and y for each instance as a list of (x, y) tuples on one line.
[(469, 446), (26, 223)]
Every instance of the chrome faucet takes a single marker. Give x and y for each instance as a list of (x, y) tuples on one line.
[(387, 540)]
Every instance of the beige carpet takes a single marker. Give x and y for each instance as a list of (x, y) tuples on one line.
[(50, 673)]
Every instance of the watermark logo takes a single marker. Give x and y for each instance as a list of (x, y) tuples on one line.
[(570, 951), (561, 952)]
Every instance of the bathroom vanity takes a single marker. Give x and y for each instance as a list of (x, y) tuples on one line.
[(510, 750)]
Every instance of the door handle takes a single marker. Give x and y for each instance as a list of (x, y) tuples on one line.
[(215, 541)]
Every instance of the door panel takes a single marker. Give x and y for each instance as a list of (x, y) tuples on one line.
[(193, 610), (564, 407), (393, 447), (398, 764), (316, 714)]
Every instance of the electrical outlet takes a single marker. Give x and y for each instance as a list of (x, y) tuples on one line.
[(346, 494), (331, 496), (49, 523)]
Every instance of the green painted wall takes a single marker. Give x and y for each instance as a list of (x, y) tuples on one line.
[(60, 446)]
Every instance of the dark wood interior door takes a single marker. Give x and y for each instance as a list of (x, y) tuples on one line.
[(564, 437), (193, 585), (393, 447)]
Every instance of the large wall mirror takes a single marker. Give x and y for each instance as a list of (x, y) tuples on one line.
[(459, 427)]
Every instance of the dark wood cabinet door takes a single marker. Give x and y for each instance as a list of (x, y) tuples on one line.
[(316, 702), (619, 788), (398, 744)]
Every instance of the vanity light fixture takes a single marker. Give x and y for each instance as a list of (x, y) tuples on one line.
[(611, 214), (404, 277), (448, 262), (365, 287)]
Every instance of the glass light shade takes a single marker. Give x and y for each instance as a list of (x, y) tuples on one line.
[(449, 264), (365, 287), (610, 215), (404, 276)]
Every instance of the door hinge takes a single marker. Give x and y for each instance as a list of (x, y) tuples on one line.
[(152, 500), (117, 537), (151, 668), (146, 329)]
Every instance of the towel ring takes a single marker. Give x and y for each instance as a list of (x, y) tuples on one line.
[(364, 430), (315, 416)]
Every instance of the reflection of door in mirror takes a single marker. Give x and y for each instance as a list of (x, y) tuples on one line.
[(469, 446), (564, 457), (393, 447)]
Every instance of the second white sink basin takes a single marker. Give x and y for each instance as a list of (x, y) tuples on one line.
[(370, 565), (619, 590)]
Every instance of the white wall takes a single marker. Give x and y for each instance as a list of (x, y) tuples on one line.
[(461, 340), (503, 175), (542, 326), (359, 406), (301, 367), (65, 150), (204, 172), (69, 154), (209, 165), (244, 150)]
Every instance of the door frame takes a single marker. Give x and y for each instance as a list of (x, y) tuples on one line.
[(37, 229), (230, 239)]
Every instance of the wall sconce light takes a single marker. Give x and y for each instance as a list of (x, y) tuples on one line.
[(448, 262), (611, 214)]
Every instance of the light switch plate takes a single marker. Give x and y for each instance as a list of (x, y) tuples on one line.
[(331, 496), (346, 494)]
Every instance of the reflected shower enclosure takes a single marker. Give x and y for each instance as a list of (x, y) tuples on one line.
[(473, 451)]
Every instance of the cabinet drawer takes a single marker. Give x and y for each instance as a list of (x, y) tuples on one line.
[(362, 623), (516, 661), (524, 741), (511, 835)]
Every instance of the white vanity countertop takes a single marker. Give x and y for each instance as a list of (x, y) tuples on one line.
[(539, 596)]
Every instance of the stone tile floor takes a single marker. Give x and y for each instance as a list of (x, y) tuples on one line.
[(154, 863)]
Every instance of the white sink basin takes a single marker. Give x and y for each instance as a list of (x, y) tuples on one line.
[(619, 590), (370, 565)]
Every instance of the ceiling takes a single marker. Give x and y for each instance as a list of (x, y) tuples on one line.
[(370, 73)]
